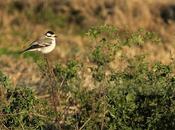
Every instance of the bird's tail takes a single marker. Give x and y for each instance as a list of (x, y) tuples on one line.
[(31, 48), (23, 51)]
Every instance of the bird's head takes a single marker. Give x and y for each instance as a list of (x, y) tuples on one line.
[(50, 34)]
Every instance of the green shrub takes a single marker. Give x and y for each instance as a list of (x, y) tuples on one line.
[(20, 109), (142, 98)]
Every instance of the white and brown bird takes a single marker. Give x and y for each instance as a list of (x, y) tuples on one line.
[(45, 44)]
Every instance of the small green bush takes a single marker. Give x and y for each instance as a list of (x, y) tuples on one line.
[(20, 109), (142, 98)]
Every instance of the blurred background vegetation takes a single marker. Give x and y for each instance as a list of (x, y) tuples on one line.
[(23, 21), (77, 24)]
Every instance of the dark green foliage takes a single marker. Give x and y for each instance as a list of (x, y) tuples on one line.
[(19, 110), (98, 73), (103, 53), (138, 37), (142, 98), (100, 31), (68, 72), (4, 81)]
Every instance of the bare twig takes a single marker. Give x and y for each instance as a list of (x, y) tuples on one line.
[(21, 125), (62, 82), (30, 113), (12, 114), (54, 91), (4, 127), (85, 124), (52, 83)]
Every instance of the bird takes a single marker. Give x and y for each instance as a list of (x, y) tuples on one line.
[(45, 44)]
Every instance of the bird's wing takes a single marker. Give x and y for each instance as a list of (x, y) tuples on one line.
[(35, 45), (42, 42), (39, 43)]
